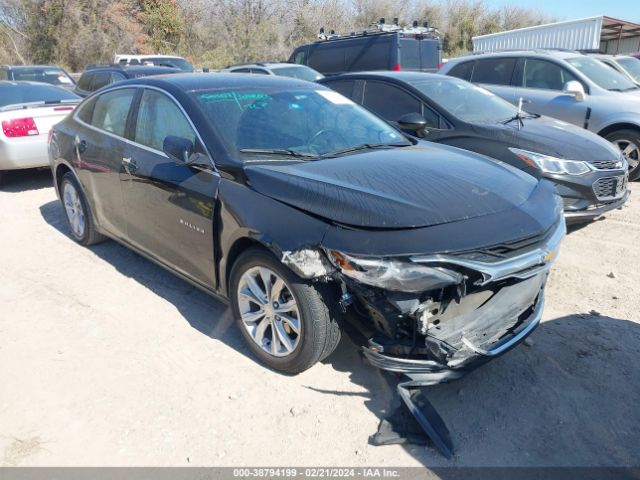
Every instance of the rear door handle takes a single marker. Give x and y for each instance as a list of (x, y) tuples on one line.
[(129, 164)]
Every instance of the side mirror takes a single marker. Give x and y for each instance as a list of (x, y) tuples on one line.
[(178, 148), (575, 89), (412, 121)]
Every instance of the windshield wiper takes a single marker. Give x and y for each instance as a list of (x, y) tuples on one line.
[(278, 151), (365, 146), (519, 117)]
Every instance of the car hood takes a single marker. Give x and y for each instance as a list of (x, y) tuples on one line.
[(407, 187), (558, 139)]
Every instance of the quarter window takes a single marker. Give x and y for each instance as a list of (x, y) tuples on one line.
[(546, 75), (159, 117), (345, 87), (111, 111), (85, 82), (494, 71), (101, 80)]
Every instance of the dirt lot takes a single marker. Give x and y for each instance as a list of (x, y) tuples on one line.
[(106, 359)]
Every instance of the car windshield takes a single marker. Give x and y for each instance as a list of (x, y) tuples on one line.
[(297, 121), (175, 62), (54, 76), (301, 72), (601, 75), (631, 65), (464, 100), (19, 94)]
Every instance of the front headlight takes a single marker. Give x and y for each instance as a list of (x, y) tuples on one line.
[(551, 164), (394, 275)]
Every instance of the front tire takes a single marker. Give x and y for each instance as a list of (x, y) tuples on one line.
[(628, 141), (77, 211), (287, 321)]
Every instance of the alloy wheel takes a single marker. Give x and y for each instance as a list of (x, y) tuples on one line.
[(74, 209), (630, 150), (269, 311)]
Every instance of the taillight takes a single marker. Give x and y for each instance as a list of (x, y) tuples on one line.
[(19, 127), (440, 65), (396, 67)]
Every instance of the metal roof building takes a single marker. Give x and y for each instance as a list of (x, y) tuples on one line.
[(593, 34)]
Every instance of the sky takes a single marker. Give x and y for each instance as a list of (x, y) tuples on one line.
[(574, 9)]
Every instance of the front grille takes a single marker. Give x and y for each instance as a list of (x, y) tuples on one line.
[(607, 164), (509, 249), (610, 187)]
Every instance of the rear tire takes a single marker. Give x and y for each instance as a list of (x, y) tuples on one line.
[(628, 141), (77, 211), (296, 311)]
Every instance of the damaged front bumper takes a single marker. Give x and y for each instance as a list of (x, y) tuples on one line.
[(501, 305), (471, 355)]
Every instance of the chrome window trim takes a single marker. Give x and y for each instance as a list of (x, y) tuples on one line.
[(139, 145)]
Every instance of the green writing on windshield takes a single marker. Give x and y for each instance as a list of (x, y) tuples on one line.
[(243, 100)]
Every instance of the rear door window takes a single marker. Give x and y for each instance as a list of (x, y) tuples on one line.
[(389, 101), (111, 111), (494, 71), (462, 70), (159, 117), (544, 74)]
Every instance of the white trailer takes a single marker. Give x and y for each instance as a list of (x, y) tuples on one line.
[(593, 34)]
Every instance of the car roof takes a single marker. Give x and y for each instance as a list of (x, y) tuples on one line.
[(266, 65), (403, 76), (202, 81), (132, 69), (151, 55), (21, 67), (18, 83), (536, 53)]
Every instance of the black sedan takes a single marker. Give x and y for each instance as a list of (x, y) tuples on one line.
[(98, 76), (590, 174), (296, 205)]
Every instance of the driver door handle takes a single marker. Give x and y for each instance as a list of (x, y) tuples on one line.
[(81, 145)]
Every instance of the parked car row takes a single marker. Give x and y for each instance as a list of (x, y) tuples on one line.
[(565, 85), (296, 205), (422, 208), (589, 173)]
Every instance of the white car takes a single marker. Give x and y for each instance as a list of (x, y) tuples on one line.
[(28, 111), (172, 61)]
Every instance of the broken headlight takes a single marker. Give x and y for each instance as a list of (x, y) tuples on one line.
[(396, 275), (551, 164)]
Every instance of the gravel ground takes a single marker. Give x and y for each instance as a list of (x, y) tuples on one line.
[(106, 359)]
